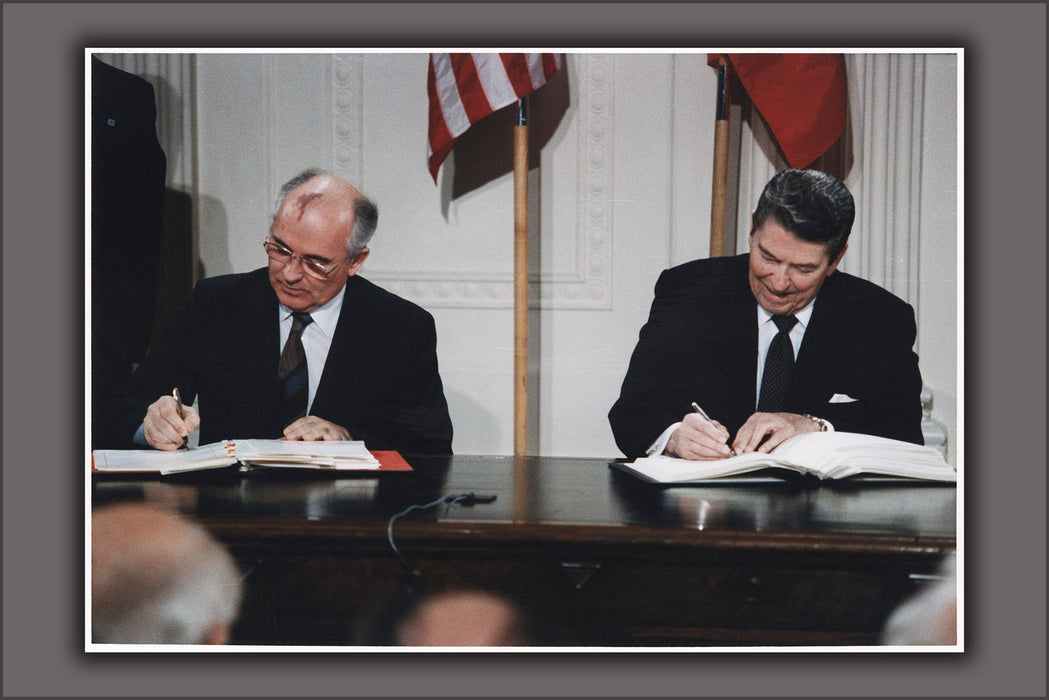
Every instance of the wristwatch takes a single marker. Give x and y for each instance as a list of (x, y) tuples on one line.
[(824, 426)]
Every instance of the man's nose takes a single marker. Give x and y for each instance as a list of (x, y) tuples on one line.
[(779, 281), (292, 270)]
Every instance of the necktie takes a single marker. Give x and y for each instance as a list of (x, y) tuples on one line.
[(779, 362), (292, 372)]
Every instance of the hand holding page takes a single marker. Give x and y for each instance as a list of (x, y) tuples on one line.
[(835, 455)]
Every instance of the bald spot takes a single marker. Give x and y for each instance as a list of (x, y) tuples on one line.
[(325, 200)]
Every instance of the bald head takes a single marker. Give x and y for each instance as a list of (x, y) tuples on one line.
[(462, 618), (158, 578), (330, 203)]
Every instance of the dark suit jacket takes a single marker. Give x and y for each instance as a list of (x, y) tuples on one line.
[(380, 379), (700, 344), (128, 169)]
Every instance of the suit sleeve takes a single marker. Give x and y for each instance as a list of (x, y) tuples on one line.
[(170, 363), (412, 415), (886, 381), (647, 399)]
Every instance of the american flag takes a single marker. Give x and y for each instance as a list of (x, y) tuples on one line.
[(466, 87)]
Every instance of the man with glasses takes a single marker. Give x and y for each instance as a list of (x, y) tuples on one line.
[(304, 349)]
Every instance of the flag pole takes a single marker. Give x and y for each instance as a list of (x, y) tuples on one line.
[(521, 280), (720, 175)]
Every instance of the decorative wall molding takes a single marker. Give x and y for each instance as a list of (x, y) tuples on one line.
[(347, 130)]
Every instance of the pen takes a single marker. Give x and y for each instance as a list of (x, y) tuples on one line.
[(700, 411), (182, 415), (695, 407)]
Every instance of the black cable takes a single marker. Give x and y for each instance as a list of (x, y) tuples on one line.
[(464, 499)]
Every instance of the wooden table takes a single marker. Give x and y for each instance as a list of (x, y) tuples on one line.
[(593, 556)]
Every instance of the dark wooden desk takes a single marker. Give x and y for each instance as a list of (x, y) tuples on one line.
[(594, 556)]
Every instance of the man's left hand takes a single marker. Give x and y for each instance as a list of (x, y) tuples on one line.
[(773, 428), (314, 428)]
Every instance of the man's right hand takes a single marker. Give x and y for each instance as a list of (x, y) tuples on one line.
[(698, 438), (162, 427)]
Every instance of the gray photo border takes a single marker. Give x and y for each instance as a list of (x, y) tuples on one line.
[(43, 505)]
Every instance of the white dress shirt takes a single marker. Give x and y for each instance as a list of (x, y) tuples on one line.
[(316, 339)]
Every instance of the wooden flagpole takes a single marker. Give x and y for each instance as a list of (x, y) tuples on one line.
[(720, 175), (521, 280)]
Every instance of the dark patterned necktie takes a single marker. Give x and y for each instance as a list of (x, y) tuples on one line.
[(292, 372), (779, 363)]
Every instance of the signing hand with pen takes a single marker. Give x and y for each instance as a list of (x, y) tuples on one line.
[(168, 422), (699, 437)]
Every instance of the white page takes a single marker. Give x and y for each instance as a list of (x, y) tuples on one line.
[(214, 454), (341, 449)]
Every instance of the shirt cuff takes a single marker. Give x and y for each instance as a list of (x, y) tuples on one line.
[(140, 436), (660, 444)]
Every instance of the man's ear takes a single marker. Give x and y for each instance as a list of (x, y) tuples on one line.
[(834, 264), (356, 261)]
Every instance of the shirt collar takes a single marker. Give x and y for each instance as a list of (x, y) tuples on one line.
[(325, 317), (803, 316)]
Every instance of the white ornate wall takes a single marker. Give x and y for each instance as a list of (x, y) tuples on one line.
[(621, 191)]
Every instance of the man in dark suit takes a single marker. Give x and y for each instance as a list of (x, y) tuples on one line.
[(723, 335), (358, 362), (128, 169)]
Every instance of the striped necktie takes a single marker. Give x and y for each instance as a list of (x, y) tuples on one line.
[(292, 372)]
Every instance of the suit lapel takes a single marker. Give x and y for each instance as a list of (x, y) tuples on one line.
[(741, 367), (817, 349), (261, 350), (735, 332), (336, 386)]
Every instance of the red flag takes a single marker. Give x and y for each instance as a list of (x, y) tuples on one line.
[(466, 87), (801, 96)]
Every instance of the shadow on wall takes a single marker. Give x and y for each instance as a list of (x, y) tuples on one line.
[(214, 238), (474, 424)]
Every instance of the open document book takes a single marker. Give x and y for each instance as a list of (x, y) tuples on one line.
[(333, 454), (834, 455)]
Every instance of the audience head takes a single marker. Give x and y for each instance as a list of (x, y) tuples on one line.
[(930, 616), (470, 618), (157, 578), (812, 205)]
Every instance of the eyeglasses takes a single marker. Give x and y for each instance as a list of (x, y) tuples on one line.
[(284, 256)]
